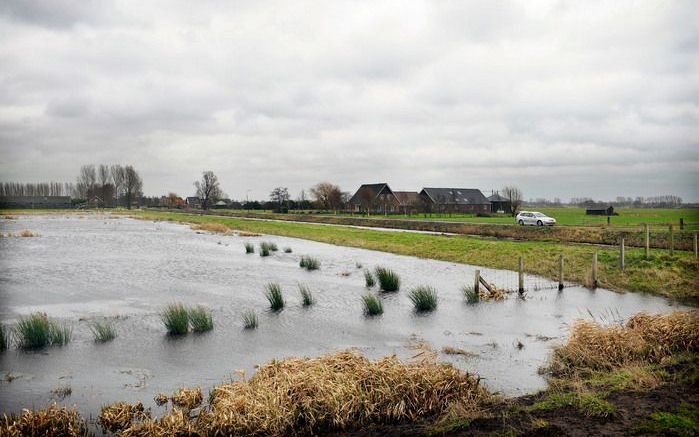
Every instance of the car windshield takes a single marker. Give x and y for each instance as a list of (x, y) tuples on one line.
[(538, 214)]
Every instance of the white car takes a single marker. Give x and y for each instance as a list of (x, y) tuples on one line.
[(535, 219)]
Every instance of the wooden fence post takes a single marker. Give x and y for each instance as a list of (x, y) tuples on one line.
[(622, 254), (521, 275), (672, 240), (647, 240), (594, 270), (477, 283), (560, 273)]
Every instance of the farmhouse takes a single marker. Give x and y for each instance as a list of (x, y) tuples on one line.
[(500, 203), (376, 198), (193, 202), (410, 202), (455, 200)]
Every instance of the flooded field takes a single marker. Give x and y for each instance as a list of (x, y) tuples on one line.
[(81, 269)]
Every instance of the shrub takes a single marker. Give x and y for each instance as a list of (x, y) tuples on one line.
[(200, 319), (388, 279), (372, 305), (37, 331), (306, 295), (250, 319), (309, 263), (274, 296), (424, 298), (249, 248), (103, 331), (176, 319), (369, 279)]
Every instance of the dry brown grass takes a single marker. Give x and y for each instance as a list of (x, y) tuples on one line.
[(121, 415), (161, 399), (449, 350), (187, 398), (644, 339), (217, 228), (27, 233), (248, 234), (51, 421)]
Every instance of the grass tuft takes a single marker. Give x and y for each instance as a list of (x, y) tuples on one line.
[(200, 319), (264, 249), (309, 263), (372, 305), (369, 280), (472, 296), (37, 331), (306, 295), (4, 337), (268, 246), (176, 319), (249, 248), (103, 331), (388, 279), (287, 250), (424, 298), (249, 319), (274, 296)]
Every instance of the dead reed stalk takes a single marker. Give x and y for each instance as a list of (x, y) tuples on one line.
[(54, 420)]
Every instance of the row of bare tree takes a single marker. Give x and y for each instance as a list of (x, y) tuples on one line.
[(109, 185)]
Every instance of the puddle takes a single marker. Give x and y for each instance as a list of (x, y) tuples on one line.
[(81, 269)]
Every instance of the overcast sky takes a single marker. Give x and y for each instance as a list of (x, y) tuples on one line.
[(563, 99)]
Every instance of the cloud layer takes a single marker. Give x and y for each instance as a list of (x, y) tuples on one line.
[(561, 98)]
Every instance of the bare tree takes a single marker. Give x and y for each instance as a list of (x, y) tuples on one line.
[(133, 185), (280, 196), (117, 172), (86, 181), (208, 189), (514, 195), (327, 196)]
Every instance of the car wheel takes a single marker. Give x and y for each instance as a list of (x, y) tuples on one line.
[(538, 223), (521, 222)]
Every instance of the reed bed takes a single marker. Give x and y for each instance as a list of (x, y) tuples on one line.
[(274, 295), (121, 415), (309, 263), (249, 319), (249, 248), (176, 319), (388, 279), (642, 340), (187, 398), (216, 228), (200, 319), (36, 331), (372, 305), (52, 421), (424, 298), (369, 280), (103, 331), (306, 296)]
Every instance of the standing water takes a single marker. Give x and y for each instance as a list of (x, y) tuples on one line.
[(86, 268)]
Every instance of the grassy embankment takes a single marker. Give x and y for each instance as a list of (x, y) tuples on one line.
[(673, 276)]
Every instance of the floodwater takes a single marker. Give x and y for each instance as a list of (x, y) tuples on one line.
[(83, 268)]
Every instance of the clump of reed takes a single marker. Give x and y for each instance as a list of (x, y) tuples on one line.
[(264, 249), (121, 415), (372, 305), (470, 293), (388, 279), (369, 280), (287, 250), (200, 319), (250, 319), (424, 298), (269, 246), (103, 331), (274, 295), (309, 263), (54, 420), (216, 228), (187, 398), (643, 340), (176, 319), (306, 296), (4, 337), (37, 331), (249, 248)]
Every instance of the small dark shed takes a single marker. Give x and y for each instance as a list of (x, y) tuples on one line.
[(600, 211), (499, 203)]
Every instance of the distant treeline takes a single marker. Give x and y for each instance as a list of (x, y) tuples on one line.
[(37, 189)]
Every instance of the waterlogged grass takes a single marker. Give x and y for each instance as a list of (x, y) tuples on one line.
[(37, 331), (388, 279), (103, 331), (470, 293), (264, 249), (249, 248), (675, 276), (309, 263), (176, 319), (424, 298), (372, 305), (274, 295), (249, 319), (200, 319), (369, 280), (306, 296)]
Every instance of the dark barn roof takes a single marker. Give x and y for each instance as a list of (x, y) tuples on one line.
[(498, 198), (370, 191), (456, 196)]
